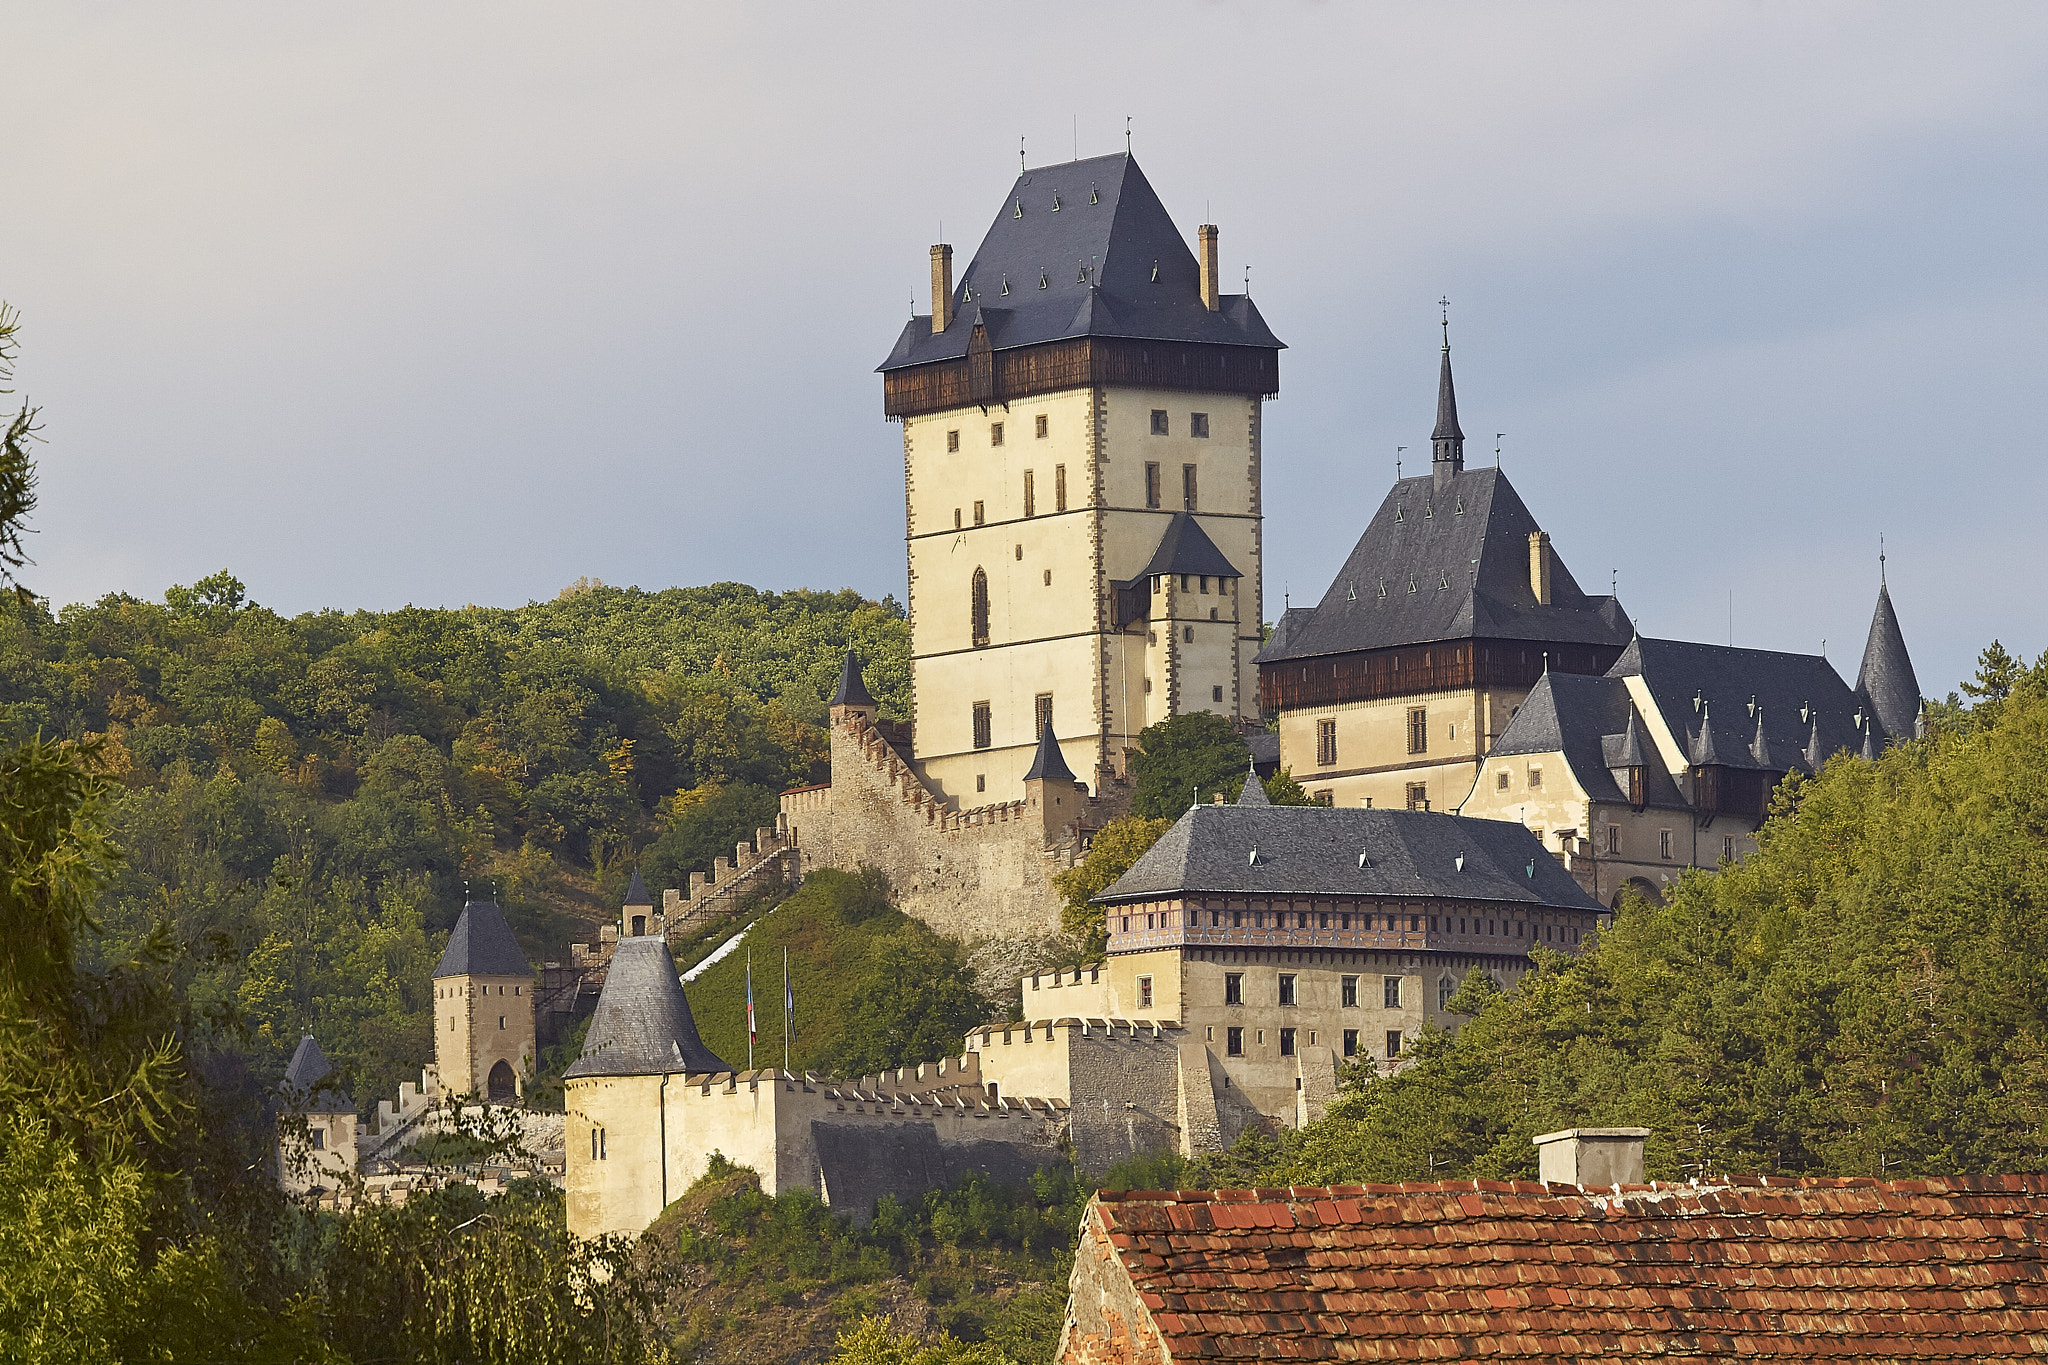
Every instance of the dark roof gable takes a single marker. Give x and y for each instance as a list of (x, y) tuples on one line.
[(643, 1025), (303, 1091), (1081, 249), (1185, 547)]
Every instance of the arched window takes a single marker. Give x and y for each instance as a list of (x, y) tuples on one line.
[(979, 608)]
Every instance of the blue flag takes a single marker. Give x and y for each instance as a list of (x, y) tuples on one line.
[(750, 998)]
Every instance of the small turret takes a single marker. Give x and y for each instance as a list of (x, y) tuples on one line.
[(1886, 682), (1254, 792), (852, 696), (1447, 442), (1051, 787), (639, 907)]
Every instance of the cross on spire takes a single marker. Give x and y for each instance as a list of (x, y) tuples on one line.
[(1445, 304)]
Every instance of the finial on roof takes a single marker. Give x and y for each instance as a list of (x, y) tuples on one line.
[(1127, 136), (1447, 441), (1253, 792), (636, 892), (1880, 559)]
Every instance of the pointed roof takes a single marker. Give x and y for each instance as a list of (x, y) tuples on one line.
[(1049, 763), (1629, 753), (1704, 751), (1082, 249), (1792, 692), (1886, 680), (853, 690), (302, 1090), (1254, 792), (1591, 721), (1186, 548), (636, 893), (482, 945), (1760, 747), (1448, 560), (643, 1025), (1814, 755), (1870, 740), (1447, 428)]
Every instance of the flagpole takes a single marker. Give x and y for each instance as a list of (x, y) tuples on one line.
[(750, 1008), (786, 1009)]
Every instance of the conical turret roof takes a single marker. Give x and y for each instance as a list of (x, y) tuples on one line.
[(643, 1025), (1760, 747), (1704, 752), (482, 945), (1049, 763), (636, 892), (852, 691), (302, 1090), (1886, 680), (1631, 754), (1447, 428), (1814, 756), (1254, 793)]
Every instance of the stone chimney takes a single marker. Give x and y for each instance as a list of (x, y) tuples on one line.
[(1205, 251), (942, 287), (1591, 1156), (1539, 566)]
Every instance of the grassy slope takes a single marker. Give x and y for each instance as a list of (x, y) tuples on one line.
[(827, 926)]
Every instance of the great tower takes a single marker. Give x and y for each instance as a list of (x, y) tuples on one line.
[(1081, 445)]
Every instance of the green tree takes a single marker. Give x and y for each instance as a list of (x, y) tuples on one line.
[(1113, 851), (1185, 761), (913, 1001)]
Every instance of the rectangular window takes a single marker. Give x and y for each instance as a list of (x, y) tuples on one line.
[(1535, 779), (952, 442), (1613, 840), (956, 518), (1159, 421), (1042, 713), (981, 782), (1418, 729), (1059, 488), (1664, 838), (1728, 847), (1501, 782), (1233, 988), (501, 1018), (1286, 990), (1233, 1042), (1198, 425), (1216, 693), (1418, 796), (1326, 797), (984, 729), (979, 516), (1287, 1042), (1445, 989), (1040, 426), (319, 1136), (1349, 987), (995, 433), (1351, 1042), (1393, 1043), (1144, 992), (1030, 494), (1187, 487), (1391, 988), (1151, 485), (1326, 743)]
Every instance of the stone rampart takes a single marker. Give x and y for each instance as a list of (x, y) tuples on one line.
[(975, 873)]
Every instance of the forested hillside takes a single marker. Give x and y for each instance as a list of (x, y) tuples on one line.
[(304, 797)]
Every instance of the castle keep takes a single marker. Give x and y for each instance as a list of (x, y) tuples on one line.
[(1082, 515)]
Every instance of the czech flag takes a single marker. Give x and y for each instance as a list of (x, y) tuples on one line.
[(751, 1037)]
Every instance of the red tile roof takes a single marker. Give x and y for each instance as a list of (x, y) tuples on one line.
[(1939, 1269)]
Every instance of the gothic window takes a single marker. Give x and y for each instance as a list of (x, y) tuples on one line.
[(1198, 424), (978, 601), (984, 726)]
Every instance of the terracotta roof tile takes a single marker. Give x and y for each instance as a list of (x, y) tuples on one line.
[(1943, 1269)]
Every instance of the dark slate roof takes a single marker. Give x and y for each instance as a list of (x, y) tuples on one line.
[(1689, 682), (1112, 262), (1186, 548), (1886, 680), (1425, 570), (642, 1026), (1291, 620), (1315, 851), (1254, 792), (1447, 428), (853, 690), (482, 945), (1591, 721), (636, 893), (1265, 747), (302, 1090), (1049, 763)]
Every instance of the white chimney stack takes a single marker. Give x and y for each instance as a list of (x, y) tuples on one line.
[(1591, 1156)]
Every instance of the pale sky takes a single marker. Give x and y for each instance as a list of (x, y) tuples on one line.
[(376, 304)]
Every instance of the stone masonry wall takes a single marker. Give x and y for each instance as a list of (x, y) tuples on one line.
[(973, 873), (1107, 1323)]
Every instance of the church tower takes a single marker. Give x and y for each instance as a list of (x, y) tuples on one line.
[(1081, 441), (483, 1008)]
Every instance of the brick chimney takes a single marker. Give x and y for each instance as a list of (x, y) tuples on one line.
[(1539, 566), (1205, 250), (942, 287), (1591, 1156)]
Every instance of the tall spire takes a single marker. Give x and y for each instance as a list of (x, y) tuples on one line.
[(1447, 442), (1886, 682)]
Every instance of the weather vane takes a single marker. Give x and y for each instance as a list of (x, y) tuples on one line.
[(1397, 460)]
